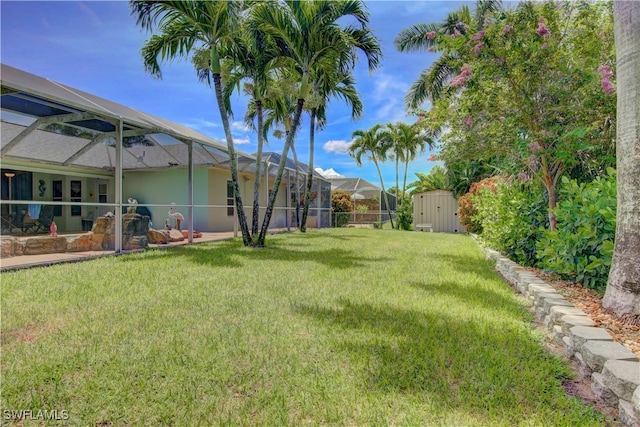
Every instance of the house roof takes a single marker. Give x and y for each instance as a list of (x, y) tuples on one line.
[(48, 122), (355, 186)]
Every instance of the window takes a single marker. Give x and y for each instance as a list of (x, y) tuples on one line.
[(103, 192), (230, 199), (56, 196), (76, 196)]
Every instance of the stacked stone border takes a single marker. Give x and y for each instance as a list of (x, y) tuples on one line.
[(614, 370)]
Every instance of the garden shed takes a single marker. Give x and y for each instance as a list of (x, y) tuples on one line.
[(436, 210)]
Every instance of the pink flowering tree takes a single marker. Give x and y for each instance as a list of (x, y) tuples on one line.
[(534, 93)]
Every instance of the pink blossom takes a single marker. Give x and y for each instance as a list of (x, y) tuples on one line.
[(432, 49), (506, 29), (606, 73), (461, 78), (432, 158), (544, 45), (607, 86), (542, 30), (468, 121), (478, 36), (523, 177), (477, 48), (501, 60), (503, 118), (535, 147), (455, 34), (431, 35)]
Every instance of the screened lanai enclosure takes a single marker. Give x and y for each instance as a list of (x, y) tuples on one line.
[(369, 204), (72, 159)]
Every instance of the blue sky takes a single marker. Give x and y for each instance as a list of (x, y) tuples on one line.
[(95, 46)]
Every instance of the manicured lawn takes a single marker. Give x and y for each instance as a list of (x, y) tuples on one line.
[(337, 327)]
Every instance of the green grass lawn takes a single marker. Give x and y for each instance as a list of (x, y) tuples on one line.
[(336, 327)]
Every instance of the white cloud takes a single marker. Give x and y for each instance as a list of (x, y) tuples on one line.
[(337, 146), (241, 141), (240, 126), (329, 173)]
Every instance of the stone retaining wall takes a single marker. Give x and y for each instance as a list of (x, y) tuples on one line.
[(614, 370)]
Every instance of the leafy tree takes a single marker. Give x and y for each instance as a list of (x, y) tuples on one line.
[(373, 144), (183, 28), (310, 38), (623, 289), (436, 179), (434, 37), (326, 86), (529, 92), (341, 204), (407, 141)]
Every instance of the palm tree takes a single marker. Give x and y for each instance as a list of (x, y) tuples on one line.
[(311, 38), (325, 87), (255, 63), (436, 179), (374, 145), (184, 27), (429, 38), (623, 288), (407, 141)]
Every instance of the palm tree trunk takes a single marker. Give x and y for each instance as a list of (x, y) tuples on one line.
[(623, 288), (404, 180), (278, 180), (233, 161), (384, 192), (295, 179), (256, 182), (307, 193)]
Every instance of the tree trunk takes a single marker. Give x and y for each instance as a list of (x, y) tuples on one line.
[(307, 193), (276, 185), (623, 288), (255, 215), (404, 180), (384, 192), (233, 161), (295, 179)]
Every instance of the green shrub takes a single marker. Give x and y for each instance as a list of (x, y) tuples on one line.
[(582, 246), (467, 212), (341, 204), (512, 218), (404, 216)]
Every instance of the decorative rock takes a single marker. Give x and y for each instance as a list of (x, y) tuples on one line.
[(134, 242), (196, 234), (622, 376), (597, 353), (602, 391), (535, 289), (569, 321), (158, 237), (635, 399), (626, 415), (558, 311), (7, 246), (18, 248), (84, 242), (175, 236), (45, 245), (547, 303), (567, 343), (582, 334), (583, 369)]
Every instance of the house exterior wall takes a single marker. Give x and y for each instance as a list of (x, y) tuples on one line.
[(165, 187), (438, 208)]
